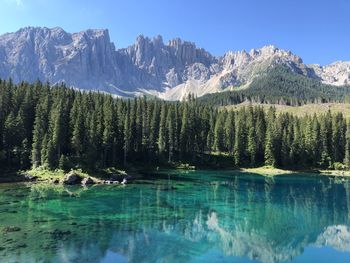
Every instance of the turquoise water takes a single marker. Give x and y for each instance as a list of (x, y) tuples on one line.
[(179, 217)]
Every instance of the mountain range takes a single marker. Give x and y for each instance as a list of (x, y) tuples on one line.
[(88, 60)]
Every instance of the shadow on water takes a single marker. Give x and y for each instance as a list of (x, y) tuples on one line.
[(169, 216)]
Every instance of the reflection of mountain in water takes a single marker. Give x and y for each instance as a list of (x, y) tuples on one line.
[(269, 220), (337, 237)]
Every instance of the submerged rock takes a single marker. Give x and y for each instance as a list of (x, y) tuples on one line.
[(11, 229), (59, 233), (72, 178), (21, 246)]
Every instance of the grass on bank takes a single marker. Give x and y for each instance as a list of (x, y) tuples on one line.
[(267, 171), (43, 174), (273, 171), (300, 111)]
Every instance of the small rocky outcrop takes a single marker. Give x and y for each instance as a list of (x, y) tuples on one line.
[(87, 181), (72, 178), (30, 178)]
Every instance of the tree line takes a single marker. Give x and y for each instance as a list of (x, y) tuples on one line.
[(58, 127)]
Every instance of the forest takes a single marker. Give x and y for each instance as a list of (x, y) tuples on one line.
[(58, 127)]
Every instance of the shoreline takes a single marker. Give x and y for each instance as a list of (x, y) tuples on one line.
[(272, 171), (116, 176)]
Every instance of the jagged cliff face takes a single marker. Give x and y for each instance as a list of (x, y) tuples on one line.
[(88, 60)]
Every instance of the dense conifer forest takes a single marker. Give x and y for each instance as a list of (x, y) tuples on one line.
[(58, 127)]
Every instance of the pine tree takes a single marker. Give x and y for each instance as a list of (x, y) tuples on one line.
[(219, 133), (210, 136), (270, 139), (127, 134), (347, 146), (78, 135), (184, 132), (230, 131), (63, 163), (58, 129), (39, 132), (239, 151), (154, 128), (252, 145), (162, 137), (51, 155), (338, 141), (170, 119), (270, 158)]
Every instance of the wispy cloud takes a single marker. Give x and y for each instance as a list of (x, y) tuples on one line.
[(16, 2)]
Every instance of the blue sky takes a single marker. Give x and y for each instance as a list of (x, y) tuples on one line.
[(316, 30)]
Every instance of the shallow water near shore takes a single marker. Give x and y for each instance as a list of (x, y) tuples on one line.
[(179, 216)]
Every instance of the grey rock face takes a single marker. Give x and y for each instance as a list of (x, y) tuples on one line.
[(88, 60)]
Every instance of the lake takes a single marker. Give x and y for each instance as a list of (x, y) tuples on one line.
[(174, 216)]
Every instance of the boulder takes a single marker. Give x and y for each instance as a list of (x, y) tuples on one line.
[(87, 181), (72, 178), (29, 177)]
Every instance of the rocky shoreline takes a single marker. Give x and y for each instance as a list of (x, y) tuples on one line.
[(73, 178), (70, 178)]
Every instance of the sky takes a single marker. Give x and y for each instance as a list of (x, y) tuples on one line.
[(316, 30)]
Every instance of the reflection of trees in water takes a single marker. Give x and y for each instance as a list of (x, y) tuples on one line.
[(288, 217), (267, 219)]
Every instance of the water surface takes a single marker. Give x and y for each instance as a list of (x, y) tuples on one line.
[(179, 217)]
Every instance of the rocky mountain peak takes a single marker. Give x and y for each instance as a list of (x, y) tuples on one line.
[(89, 60)]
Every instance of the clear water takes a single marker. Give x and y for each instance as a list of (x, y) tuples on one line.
[(179, 217)]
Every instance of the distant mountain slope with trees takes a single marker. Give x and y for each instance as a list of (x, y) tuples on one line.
[(281, 86)]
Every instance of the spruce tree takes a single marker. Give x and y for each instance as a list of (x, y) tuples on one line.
[(162, 137), (347, 146)]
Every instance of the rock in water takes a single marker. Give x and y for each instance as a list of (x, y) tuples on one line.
[(72, 178), (87, 181)]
